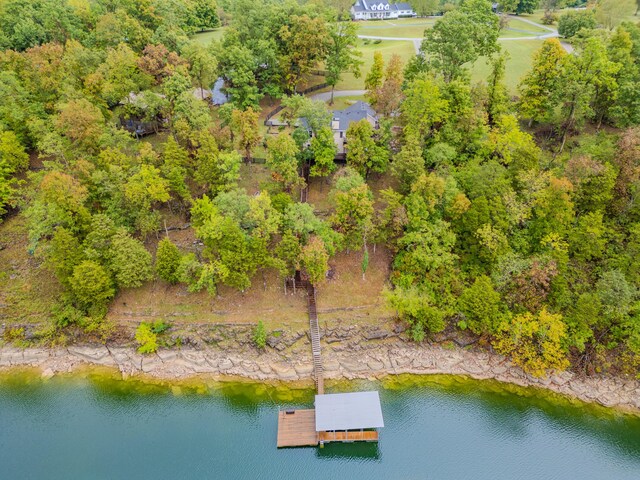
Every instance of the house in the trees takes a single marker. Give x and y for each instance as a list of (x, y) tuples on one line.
[(343, 118), (380, 10)]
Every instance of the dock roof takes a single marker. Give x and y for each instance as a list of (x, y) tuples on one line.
[(348, 411)]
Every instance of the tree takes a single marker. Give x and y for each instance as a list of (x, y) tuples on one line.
[(130, 261), (174, 168), (389, 95), (203, 65), (534, 342), (611, 12), (481, 306), (315, 260), (408, 164), (13, 158), (218, 171), (244, 125), (363, 153), (423, 107), (460, 37), (81, 123), (204, 14), (342, 55), (282, 160), (353, 216), (537, 88), (373, 80), (167, 260), (146, 338), (324, 152), (498, 97), (416, 307), (63, 253), (304, 43), (573, 21), (92, 287), (158, 62)]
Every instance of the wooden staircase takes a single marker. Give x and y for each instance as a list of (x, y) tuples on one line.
[(314, 330)]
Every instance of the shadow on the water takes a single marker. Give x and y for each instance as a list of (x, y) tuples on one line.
[(352, 451)]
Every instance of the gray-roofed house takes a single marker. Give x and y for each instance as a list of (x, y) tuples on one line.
[(380, 9), (343, 118)]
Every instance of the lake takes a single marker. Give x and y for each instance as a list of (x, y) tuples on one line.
[(438, 427)]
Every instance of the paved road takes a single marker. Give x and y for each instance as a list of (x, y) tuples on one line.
[(553, 33)]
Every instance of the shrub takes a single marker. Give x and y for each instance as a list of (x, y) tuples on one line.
[(92, 287), (260, 335), (147, 339), (549, 18), (377, 41)]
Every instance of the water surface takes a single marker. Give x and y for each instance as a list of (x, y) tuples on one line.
[(436, 428)]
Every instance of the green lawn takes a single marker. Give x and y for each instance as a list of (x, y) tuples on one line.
[(520, 25), (520, 51), (405, 49), (205, 38), (415, 29)]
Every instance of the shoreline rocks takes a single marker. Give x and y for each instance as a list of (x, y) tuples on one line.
[(345, 359)]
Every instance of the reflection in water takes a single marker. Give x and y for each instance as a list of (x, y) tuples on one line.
[(437, 427), (351, 451)]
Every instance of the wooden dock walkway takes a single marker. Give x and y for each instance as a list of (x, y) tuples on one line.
[(315, 339), (348, 436), (297, 429)]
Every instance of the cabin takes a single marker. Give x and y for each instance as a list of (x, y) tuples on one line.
[(380, 10), (337, 417)]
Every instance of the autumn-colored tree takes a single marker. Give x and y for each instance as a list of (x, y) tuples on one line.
[(534, 342), (158, 62), (82, 123), (388, 96), (373, 80)]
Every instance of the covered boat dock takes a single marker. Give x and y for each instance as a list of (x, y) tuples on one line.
[(338, 417)]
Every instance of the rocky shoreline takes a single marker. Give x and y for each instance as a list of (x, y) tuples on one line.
[(349, 352)]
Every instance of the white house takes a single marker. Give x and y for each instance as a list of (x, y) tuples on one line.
[(380, 10)]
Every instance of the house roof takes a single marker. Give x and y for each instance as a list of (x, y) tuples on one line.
[(348, 411), (366, 6), (353, 113)]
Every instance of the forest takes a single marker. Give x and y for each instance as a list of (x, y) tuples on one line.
[(512, 218)]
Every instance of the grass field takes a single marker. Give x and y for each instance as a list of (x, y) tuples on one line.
[(519, 63), (205, 38), (388, 47)]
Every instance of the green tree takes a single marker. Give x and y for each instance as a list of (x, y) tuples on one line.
[(202, 64), (573, 21), (315, 260), (282, 160), (353, 216), (537, 88), (423, 107), (167, 260), (498, 98), (244, 125), (324, 152), (460, 37), (408, 164), (416, 307), (482, 306), (130, 261), (364, 154), (342, 55), (92, 287)]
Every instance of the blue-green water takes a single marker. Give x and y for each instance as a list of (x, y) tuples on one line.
[(436, 428)]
